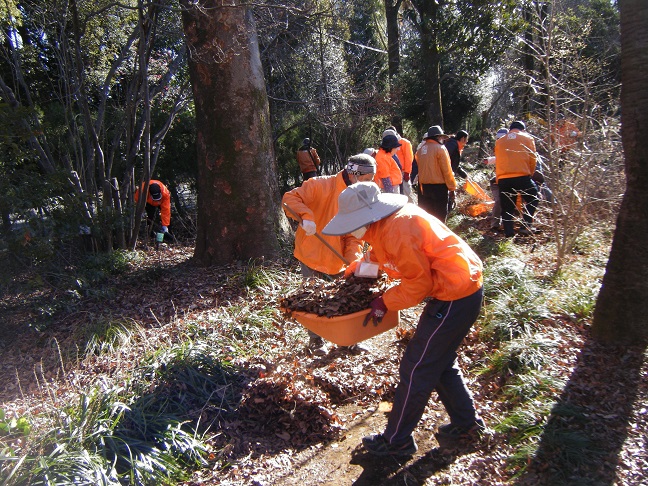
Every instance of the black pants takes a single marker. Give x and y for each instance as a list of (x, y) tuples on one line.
[(430, 363), (509, 189), (434, 199), (154, 223)]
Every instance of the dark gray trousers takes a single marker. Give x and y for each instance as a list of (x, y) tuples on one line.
[(430, 363)]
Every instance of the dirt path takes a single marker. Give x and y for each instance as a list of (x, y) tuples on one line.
[(344, 461)]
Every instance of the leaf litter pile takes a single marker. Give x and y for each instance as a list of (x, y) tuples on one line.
[(300, 408), (336, 298)]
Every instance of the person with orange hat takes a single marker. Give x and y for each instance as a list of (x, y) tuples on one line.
[(431, 262)]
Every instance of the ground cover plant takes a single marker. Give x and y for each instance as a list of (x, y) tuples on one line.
[(156, 371)]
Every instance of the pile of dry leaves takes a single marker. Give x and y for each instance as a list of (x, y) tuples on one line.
[(290, 409), (336, 298)]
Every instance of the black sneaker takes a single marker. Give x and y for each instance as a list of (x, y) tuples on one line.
[(450, 431), (377, 445)]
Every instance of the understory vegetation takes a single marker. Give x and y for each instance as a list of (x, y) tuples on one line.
[(148, 370)]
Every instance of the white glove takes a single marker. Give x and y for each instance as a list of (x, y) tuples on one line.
[(309, 227), (165, 229)]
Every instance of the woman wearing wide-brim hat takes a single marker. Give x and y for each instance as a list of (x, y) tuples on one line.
[(436, 180), (430, 261)]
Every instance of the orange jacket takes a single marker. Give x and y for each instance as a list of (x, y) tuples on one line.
[(386, 167), (164, 203), (434, 166), (568, 134), (317, 200), (515, 155), (406, 155), (429, 259), (306, 162)]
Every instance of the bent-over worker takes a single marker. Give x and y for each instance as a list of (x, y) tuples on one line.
[(430, 261)]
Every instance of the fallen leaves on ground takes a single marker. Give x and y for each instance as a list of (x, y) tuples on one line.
[(297, 412)]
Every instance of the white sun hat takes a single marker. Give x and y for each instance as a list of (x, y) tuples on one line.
[(361, 204)]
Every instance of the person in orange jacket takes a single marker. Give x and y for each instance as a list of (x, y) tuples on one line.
[(158, 197), (515, 163), (316, 203), (430, 261), (308, 160), (405, 156), (388, 171), (437, 184)]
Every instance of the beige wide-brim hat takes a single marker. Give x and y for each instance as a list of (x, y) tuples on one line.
[(361, 204)]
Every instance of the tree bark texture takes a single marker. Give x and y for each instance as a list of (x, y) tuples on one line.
[(621, 313), (393, 39), (427, 28), (239, 216)]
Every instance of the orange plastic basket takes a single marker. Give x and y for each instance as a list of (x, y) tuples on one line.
[(346, 330), (479, 208), (475, 189)]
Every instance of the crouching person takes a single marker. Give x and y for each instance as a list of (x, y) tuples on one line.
[(430, 261)]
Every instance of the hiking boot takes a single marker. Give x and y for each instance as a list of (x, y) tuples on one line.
[(316, 346), (377, 445), (450, 431)]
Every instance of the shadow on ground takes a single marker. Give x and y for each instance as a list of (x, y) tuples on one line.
[(586, 430)]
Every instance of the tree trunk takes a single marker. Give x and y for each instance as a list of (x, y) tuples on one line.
[(239, 217), (392, 8), (393, 39), (528, 59), (427, 28), (621, 313), (434, 109)]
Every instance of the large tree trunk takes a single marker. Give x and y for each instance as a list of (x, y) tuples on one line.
[(392, 8), (427, 28), (239, 216), (393, 39), (621, 313)]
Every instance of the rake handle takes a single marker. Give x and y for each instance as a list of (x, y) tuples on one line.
[(319, 237)]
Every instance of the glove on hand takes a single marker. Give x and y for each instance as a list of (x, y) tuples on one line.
[(452, 201), (406, 176), (165, 229), (309, 227), (378, 311)]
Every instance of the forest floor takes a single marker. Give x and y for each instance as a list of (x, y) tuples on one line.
[(301, 418)]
